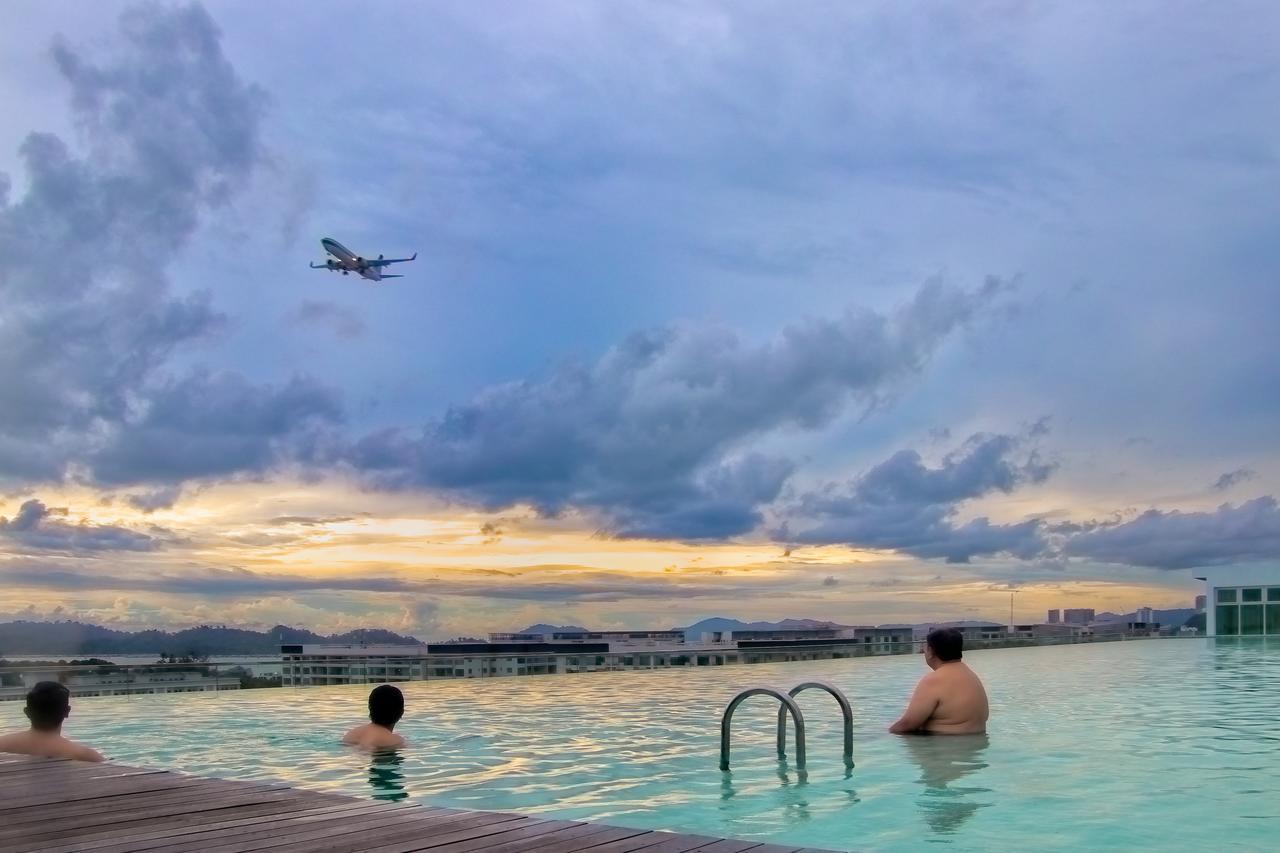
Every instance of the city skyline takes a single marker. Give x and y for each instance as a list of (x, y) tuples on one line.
[(716, 311)]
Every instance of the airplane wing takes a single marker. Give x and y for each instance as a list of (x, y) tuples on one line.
[(324, 266), (386, 262), (392, 276)]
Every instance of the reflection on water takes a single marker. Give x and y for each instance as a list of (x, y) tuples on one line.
[(943, 761), (385, 776)]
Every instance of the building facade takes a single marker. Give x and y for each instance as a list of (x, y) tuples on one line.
[(1242, 601), (133, 682), (1055, 616), (1079, 615), (590, 651)]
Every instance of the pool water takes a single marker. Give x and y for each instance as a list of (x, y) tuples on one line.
[(1145, 743)]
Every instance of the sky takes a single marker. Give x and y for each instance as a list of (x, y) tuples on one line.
[(873, 312)]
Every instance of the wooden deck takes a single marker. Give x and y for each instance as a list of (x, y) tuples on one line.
[(63, 806)]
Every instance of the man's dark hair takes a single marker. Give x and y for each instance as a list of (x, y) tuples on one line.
[(386, 705), (947, 643), (48, 704)]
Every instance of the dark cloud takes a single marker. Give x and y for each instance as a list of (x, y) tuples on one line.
[(37, 527), (149, 501), (651, 435), (340, 320), (1232, 478), (904, 505), (1181, 540), (208, 424), (88, 320)]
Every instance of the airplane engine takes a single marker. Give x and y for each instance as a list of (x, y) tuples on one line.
[(360, 262)]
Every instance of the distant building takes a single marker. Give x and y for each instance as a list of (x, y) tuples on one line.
[(1143, 614), (1078, 615), (124, 683), (1200, 602), (1245, 599), (585, 651), (1055, 616)]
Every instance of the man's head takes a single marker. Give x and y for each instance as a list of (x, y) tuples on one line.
[(48, 704), (943, 645), (386, 706)]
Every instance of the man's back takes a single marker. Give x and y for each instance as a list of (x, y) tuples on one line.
[(962, 706), (372, 736), (950, 700), (47, 745)]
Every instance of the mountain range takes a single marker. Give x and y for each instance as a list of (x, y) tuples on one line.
[(78, 638)]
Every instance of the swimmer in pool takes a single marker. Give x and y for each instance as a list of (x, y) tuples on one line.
[(386, 707), (48, 704), (950, 700)]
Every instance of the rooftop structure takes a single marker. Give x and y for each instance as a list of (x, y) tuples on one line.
[(1242, 600)]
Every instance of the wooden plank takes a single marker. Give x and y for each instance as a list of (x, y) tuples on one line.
[(77, 808), (575, 833), (474, 825), (608, 835), (153, 838), (300, 839), (422, 820), (730, 846), (537, 829), (91, 789), (140, 813)]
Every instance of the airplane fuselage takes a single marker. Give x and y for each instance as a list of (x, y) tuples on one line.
[(342, 258)]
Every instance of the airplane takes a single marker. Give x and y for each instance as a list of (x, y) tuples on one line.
[(346, 261)]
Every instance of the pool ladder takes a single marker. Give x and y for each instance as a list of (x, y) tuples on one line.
[(788, 706)]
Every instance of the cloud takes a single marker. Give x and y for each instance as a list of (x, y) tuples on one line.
[(1232, 478), (150, 501), (652, 435), (339, 319), (89, 322), (1182, 540), (586, 584), (36, 527), (904, 505), (217, 424)]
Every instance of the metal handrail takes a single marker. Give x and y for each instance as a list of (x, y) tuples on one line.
[(845, 709), (788, 704)]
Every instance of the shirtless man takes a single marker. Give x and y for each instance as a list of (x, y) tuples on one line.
[(386, 707), (950, 700), (48, 704)]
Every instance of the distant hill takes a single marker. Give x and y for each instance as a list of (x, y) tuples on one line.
[(720, 623), (1177, 616), (542, 628), (78, 638)]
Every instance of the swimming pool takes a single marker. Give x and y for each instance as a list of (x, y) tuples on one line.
[(1144, 743)]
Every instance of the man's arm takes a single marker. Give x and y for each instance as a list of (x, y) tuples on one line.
[(921, 707)]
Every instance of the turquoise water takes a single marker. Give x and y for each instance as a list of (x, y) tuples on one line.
[(1147, 744)]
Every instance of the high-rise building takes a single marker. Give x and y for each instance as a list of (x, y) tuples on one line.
[(1143, 614), (1055, 616), (1078, 615), (1201, 601)]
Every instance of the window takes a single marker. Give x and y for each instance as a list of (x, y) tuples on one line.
[(1228, 619), (1273, 619), (1273, 594), (1251, 619), (1226, 595), (1250, 595)]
